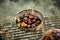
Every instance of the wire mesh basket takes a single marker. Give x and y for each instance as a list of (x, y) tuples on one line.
[(35, 13)]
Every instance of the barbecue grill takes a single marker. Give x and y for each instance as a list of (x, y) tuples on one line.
[(9, 30)]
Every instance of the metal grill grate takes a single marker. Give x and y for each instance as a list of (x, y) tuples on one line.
[(9, 9), (16, 34)]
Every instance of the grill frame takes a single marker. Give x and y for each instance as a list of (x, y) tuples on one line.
[(11, 29)]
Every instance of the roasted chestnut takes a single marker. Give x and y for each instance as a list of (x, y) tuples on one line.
[(28, 21)]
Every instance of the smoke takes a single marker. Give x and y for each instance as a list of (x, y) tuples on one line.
[(10, 8)]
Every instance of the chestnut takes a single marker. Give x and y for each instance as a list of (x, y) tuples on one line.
[(17, 20), (33, 25), (30, 16), (25, 18), (23, 24), (35, 17), (33, 20), (25, 21), (28, 26), (38, 22), (29, 22)]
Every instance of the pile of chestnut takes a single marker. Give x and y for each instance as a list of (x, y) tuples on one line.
[(28, 21)]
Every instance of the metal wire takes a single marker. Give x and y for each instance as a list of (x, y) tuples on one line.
[(17, 34)]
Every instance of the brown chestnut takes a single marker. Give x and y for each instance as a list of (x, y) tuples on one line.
[(25, 18), (28, 26), (30, 16), (38, 22), (35, 17), (23, 24), (33, 20), (33, 25), (17, 20), (29, 22)]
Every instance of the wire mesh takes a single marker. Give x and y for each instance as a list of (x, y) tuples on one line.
[(8, 10), (17, 34)]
